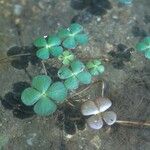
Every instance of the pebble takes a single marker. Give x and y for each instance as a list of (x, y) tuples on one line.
[(18, 9)]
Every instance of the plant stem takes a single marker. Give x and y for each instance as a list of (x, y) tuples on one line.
[(85, 89), (18, 55), (44, 68), (133, 123)]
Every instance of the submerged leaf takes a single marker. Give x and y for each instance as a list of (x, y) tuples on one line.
[(95, 122), (89, 108), (109, 117)]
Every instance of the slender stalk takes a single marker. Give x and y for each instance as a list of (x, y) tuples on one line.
[(85, 89), (103, 88), (44, 68), (133, 123), (18, 55)]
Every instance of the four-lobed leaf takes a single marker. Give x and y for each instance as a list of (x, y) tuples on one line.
[(73, 36), (44, 95), (48, 46), (144, 47), (66, 57), (74, 75), (95, 67)]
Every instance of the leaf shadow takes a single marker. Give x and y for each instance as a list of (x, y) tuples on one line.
[(21, 56), (88, 9), (12, 101), (70, 118)]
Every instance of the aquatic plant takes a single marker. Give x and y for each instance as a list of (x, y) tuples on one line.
[(144, 47), (126, 2), (73, 36), (66, 57), (98, 111), (74, 75), (44, 95), (95, 67), (47, 46)]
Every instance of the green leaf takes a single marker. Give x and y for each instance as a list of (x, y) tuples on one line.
[(53, 41), (56, 51), (146, 41), (71, 83), (94, 72), (40, 42), (57, 92), (66, 57), (43, 53), (101, 68), (90, 65), (41, 83), (75, 28), (96, 62), (69, 43), (77, 66), (84, 77), (81, 38), (141, 47), (64, 73), (45, 107), (30, 96), (63, 33), (147, 54)]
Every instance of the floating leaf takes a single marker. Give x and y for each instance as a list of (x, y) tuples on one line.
[(45, 107), (30, 96), (40, 42), (73, 36), (144, 47), (66, 57), (57, 92), (53, 41), (71, 83), (41, 83), (147, 54), (81, 38), (84, 77), (95, 67), (77, 66), (69, 43), (75, 28), (56, 51), (64, 73), (43, 53), (48, 46)]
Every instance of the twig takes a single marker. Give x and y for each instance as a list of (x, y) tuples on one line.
[(43, 65), (103, 88), (18, 55), (85, 89), (134, 123)]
